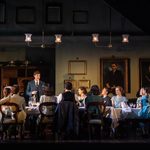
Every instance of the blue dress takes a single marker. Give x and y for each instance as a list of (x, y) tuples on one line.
[(117, 101), (145, 110)]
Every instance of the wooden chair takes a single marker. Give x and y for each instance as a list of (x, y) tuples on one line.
[(9, 120), (95, 116), (47, 121)]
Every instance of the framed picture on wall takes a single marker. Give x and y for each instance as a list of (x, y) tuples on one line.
[(85, 83), (115, 72), (144, 72), (77, 67), (74, 83)]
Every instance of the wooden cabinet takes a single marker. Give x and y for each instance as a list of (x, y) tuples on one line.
[(16, 75)]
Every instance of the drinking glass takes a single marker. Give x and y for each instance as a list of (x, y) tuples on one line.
[(30, 103), (131, 105)]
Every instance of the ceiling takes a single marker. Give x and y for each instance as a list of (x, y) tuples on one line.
[(137, 11), (76, 17)]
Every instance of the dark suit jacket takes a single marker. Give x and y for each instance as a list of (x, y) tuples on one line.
[(67, 118), (32, 87), (107, 101), (67, 114)]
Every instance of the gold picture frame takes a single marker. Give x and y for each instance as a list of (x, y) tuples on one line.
[(85, 83), (123, 66), (77, 67), (144, 72), (74, 83)]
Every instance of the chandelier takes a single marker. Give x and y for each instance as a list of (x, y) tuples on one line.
[(42, 44), (97, 41)]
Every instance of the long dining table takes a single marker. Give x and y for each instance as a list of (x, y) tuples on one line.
[(117, 114)]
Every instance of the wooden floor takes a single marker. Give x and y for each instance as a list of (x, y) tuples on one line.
[(80, 143), (32, 139)]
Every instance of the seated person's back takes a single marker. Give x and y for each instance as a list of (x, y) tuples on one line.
[(48, 96)]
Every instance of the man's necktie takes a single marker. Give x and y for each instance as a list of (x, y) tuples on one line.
[(36, 84)]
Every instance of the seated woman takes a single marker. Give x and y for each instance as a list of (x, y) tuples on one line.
[(119, 99), (144, 111), (145, 106), (82, 94), (138, 101)]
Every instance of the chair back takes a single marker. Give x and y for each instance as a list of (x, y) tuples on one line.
[(9, 110), (95, 110), (47, 119), (9, 113), (9, 120), (47, 109)]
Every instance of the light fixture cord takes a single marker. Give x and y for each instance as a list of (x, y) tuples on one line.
[(43, 21), (110, 25)]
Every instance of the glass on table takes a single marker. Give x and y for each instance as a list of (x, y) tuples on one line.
[(12, 116), (134, 105), (30, 103), (131, 105)]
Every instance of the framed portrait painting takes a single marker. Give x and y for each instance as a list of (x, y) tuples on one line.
[(144, 72), (115, 72)]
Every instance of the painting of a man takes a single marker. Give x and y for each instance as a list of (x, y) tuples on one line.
[(114, 77), (115, 72), (146, 77)]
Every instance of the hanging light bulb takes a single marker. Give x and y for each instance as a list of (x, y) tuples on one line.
[(125, 38), (28, 37), (58, 38), (95, 37)]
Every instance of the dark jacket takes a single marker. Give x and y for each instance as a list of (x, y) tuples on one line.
[(67, 115), (107, 101), (32, 87)]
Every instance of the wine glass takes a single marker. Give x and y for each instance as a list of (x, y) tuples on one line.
[(134, 105), (30, 103), (12, 116), (131, 105)]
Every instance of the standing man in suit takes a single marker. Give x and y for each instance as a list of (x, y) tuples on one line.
[(35, 87)]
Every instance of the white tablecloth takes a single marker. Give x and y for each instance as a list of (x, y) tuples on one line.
[(117, 114)]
